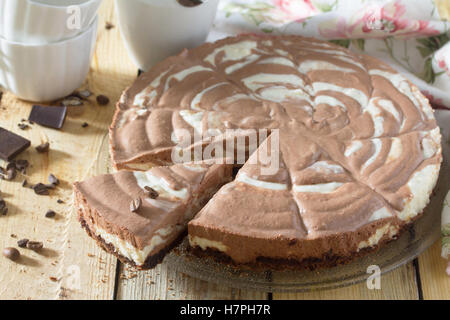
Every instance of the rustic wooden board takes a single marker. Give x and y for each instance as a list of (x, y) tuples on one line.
[(72, 266)]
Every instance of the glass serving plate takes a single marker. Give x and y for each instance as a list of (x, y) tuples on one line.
[(422, 234)]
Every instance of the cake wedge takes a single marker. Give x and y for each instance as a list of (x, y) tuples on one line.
[(139, 216)]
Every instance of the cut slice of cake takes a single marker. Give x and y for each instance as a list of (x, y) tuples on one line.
[(139, 216)]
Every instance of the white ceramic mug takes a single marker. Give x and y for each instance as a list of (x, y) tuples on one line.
[(155, 29), (43, 21), (46, 72)]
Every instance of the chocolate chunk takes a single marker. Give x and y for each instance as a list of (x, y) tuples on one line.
[(23, 126), (151, 193), (109, 26), (35, 245), (52, 179), (21, 165), (11, 253), (43, 147), (135, 205), (22, 243), (41, 189), (102, 100), (72, 102), (50, 214), (3, 208), (190, 3), (52, 117), (11, 144), (84, 125)]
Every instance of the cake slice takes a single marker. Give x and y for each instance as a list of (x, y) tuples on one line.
[(139, 216)]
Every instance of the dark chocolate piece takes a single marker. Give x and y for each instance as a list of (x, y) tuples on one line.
[(11, 144), (22, 243), (52, 117), (43, 147)]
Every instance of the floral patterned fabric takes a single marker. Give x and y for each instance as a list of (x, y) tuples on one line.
[(411, 35)]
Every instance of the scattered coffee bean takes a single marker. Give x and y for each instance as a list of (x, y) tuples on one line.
[(109, 26), (102, 100), (135, 205), (12, 235), (43, 147), (59, 201), (23, 126), (11, 253), (151, 193), (35, 245), (40, 189), (50, 214), (22, 243), (84, 125), (53, 180)]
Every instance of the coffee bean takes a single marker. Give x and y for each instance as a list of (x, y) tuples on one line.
[(35, 245), (59, 201), (22, 243), (50, 214), (44, 147), (135, 205), (109, 26), (52, 179), (11, 253), (151, 193), (84, 124), (102, 100)]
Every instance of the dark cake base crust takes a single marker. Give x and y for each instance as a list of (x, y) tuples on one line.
[(272, 264), (150, 262)]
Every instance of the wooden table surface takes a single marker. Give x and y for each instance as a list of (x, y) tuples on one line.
[(72, 266)]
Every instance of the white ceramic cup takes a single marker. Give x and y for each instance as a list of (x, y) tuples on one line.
[(155, 29), (46, 72), (43, 21)]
